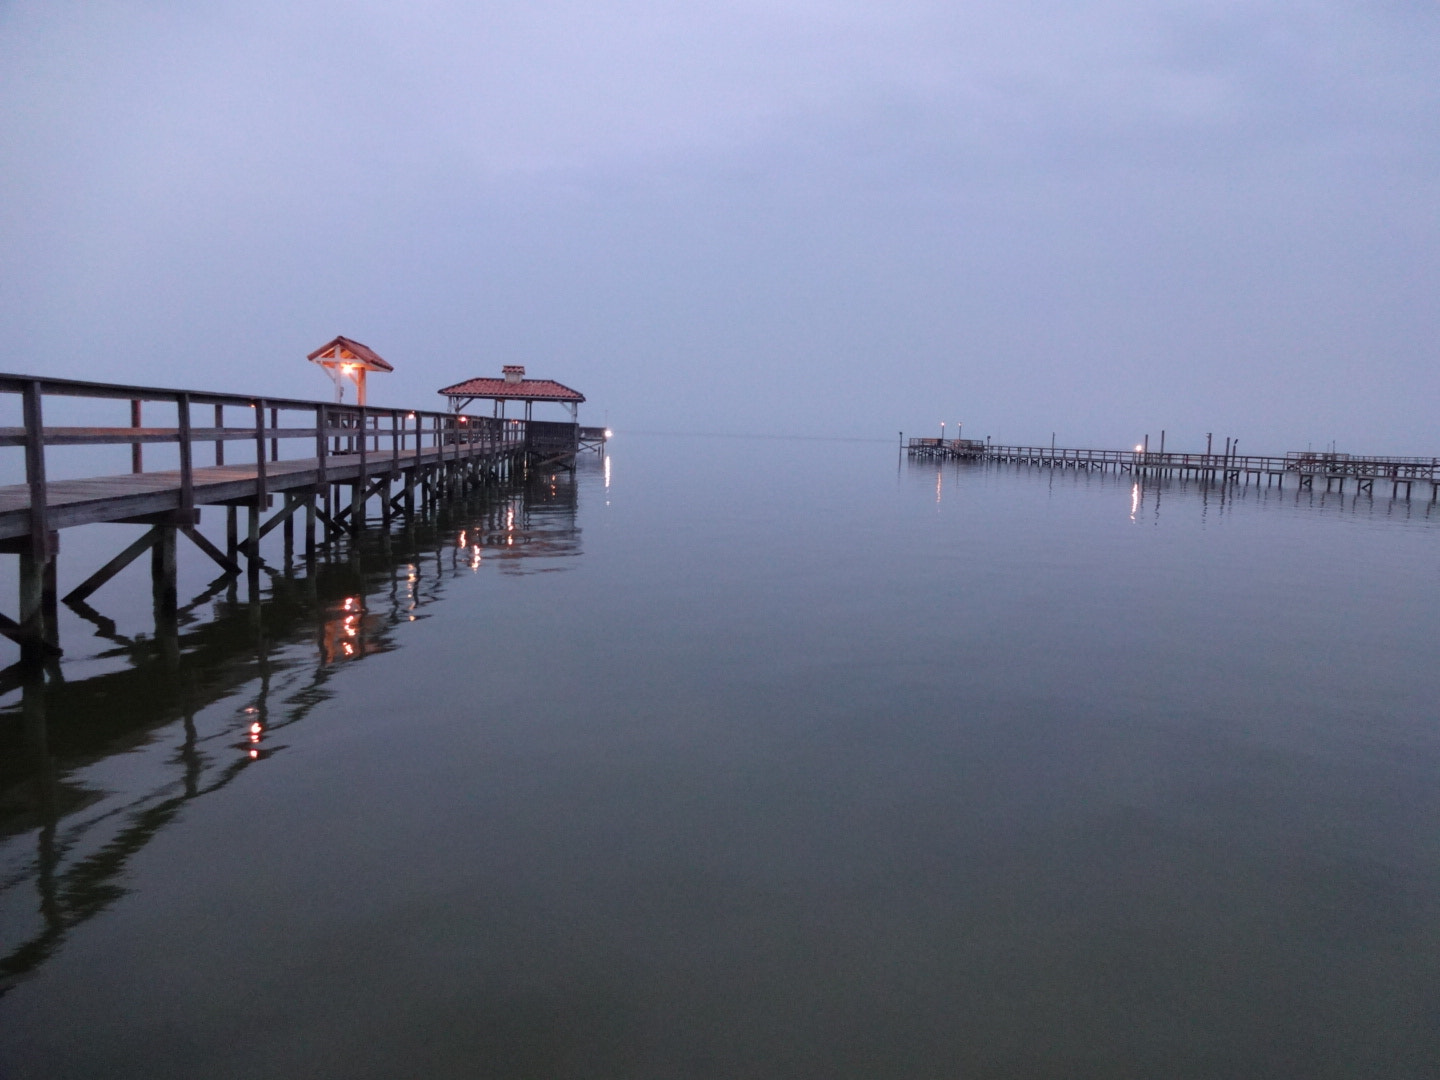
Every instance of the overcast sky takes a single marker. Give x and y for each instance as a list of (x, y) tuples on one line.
[(806, 216)]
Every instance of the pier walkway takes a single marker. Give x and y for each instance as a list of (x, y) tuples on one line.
[(344, 458)]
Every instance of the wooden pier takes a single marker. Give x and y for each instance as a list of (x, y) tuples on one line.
[(320, 464), (1302, 469), (945, 449)]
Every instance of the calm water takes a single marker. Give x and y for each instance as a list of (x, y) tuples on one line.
[(752, 759)]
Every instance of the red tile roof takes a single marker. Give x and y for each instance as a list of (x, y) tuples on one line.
[(524, 390), (342, 348)]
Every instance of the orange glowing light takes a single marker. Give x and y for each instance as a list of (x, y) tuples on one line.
[(254, 754), (256, 728)]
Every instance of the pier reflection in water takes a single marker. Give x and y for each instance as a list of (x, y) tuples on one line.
[(91, 770)]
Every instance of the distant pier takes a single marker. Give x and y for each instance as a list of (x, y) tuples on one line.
[(1302, 469)]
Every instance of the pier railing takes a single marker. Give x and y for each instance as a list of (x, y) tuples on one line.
[(1302, 462), (920, 446), (1324, 464), (332, 428), (200, 428), (223, 450)]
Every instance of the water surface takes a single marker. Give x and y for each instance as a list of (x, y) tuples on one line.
[(753, 758)]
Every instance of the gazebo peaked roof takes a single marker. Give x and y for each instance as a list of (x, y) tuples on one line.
[(521, 390), (343, 350)]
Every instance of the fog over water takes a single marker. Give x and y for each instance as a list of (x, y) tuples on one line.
[(762, 757)]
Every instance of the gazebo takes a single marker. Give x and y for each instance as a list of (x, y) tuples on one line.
[(346, 359), (513, 386)]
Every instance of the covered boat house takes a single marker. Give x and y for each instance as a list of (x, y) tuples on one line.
[(545, 441), (513, 386)]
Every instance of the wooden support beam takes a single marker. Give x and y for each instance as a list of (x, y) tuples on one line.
[(163, 573), (16, 633), (358, 494), (251, 547), (375, 488), (283, 515), (310, 529), (260, 489), (35, 471), (137, 452), (49, 599), (187, 473), (199, 540), (18, 545), (179, 519), (113, 567), (32, 606), (332, 527)]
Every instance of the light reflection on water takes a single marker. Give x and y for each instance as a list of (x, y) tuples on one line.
[(801, 771)]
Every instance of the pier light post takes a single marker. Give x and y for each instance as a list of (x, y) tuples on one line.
[(348, 361)]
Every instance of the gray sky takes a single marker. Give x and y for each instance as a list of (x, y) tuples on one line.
[(1098, 219)]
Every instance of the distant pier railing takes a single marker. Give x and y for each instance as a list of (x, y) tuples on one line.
[(946, 448), (1301, 468)]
